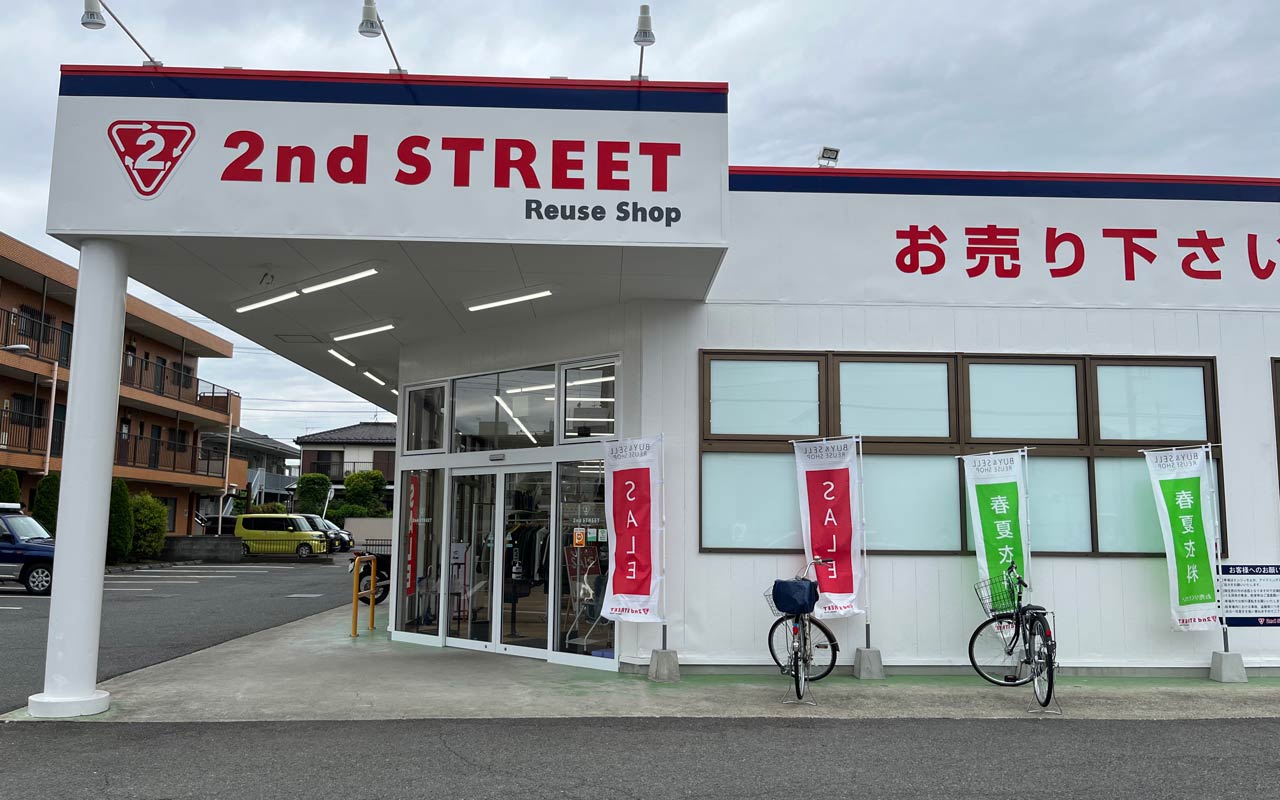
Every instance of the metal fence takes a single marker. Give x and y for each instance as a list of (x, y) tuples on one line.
[(179, 382), (27, 433), (151, 453), (47, 342), (338, 470)]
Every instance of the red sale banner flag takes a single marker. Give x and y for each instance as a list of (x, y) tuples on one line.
[(633, 514), (831, 522)]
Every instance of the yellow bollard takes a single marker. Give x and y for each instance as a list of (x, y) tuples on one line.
[(356, 594)]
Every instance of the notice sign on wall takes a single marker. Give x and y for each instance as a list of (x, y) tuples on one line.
[(1249, 595)]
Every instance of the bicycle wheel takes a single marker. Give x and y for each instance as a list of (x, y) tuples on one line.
[(799, 668), (1042, 652), (780, 643), (822, 650), (996, 654)]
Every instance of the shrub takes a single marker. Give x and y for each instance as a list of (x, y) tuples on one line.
[(45, 507), (10, 488), (366, 489), (311, 493), (268, 508), (150, 524), (120, 523), (338, 514), (239, 504)]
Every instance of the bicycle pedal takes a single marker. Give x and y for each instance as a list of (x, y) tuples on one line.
[(822, 647), (1010, 678)]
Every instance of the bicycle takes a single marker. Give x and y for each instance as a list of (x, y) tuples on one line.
[(800, 645), (1015, 645)]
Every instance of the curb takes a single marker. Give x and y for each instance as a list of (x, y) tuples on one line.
[(152, 565)]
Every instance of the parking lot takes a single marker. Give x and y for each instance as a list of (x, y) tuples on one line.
[(153, 615)]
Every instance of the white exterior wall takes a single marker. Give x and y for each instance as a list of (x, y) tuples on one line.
[(1110, 611)]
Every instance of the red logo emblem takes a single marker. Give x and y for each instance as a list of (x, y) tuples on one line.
[(150, 151)]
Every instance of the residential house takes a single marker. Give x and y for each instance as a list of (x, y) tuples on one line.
[(166, 410), (339, 452)]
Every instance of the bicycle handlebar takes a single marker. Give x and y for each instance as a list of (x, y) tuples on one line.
[(1013, 570)]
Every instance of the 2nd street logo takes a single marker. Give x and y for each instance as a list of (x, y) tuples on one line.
[(150, 150)]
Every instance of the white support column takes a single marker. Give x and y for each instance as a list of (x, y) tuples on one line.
[(75, 613)]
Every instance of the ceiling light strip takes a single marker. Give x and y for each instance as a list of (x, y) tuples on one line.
[(341, 357), (268, 302), (339, 281), (591, 380), (510, 300), (378, 329), (375, 379)]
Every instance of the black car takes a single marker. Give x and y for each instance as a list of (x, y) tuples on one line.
[(339, 540)]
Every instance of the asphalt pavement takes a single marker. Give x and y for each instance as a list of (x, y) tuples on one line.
[(604, 759), (150, 616)]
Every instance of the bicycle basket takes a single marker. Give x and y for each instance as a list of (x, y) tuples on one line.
[(995, 596), (795, 596)]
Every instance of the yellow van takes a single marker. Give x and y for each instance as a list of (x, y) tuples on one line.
[(278, 534)]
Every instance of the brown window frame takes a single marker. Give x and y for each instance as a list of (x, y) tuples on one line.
[(1087, 444)]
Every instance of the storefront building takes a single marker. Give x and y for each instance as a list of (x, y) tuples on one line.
[(557, 263)]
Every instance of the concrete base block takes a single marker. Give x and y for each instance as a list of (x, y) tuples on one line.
[(664, 666), (1227, 668), (867, 665)]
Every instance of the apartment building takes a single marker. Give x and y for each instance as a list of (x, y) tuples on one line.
[(270, 477), (166, 411)]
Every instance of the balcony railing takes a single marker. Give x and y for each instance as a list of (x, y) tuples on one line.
[(27, 433), (148, 453), (47, 342), (337, 470), (177, 383)]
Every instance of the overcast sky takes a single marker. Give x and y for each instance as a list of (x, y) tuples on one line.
[(1156, 86)]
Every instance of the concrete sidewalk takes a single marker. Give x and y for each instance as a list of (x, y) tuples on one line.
[(312, 670)]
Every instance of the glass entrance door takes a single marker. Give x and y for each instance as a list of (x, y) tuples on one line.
[(500, 551)]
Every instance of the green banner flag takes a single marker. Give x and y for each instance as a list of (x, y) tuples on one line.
[(1185, 495), (997, 496)]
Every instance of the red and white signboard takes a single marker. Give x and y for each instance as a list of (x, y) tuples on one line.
[(831, 523), (150, 150), (633, 511), (411, 556)]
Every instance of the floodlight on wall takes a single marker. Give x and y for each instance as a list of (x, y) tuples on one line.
[(94, 21), (20, 349), (644, 38), (828, 156), (371, 26)]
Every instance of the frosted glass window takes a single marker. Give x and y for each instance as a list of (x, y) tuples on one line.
[(886, 398), (764, 397), (913, 502), (1127, 521), (1023, 401), (1059, 505), (749, 500), (1147, 403)]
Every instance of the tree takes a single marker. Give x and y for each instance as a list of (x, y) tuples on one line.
[(45, 507), (120, 523), (150, 523), (10, 488), (366, 489), (311, 493)]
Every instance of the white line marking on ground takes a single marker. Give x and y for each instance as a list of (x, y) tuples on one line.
[(176, 575), (115, 589), (191, 582), (303, 595), (26, 596)]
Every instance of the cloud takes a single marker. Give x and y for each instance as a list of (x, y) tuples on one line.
[(1145, 86)]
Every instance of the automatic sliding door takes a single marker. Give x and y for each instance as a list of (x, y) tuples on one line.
[(527, 546), (472, 594)]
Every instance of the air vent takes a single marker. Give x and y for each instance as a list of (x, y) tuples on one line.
[(297, 338)]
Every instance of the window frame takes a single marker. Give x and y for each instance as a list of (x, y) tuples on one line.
[(1086, 445), (562, 398), (406, 392)]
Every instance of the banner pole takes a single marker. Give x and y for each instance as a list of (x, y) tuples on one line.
[(1026, 530), (1217, 546), (866, 563), (662, 498)]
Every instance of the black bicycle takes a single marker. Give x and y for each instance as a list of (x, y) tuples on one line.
[(1015, 645), (800, 645)]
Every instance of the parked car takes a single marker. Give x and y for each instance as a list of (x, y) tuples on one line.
[(26, 550), (339, 540), (279, 534)]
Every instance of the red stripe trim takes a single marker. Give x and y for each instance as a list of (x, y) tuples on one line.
[(378, 77), (1107, 177)]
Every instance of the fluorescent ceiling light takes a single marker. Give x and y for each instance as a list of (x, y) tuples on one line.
[(375, 379), (396, 392), (339, 281), (532, 388), (269, 301), (342, 358), (513, 416), (510, 300), (591, 380), (588, 419), (378, 329)]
